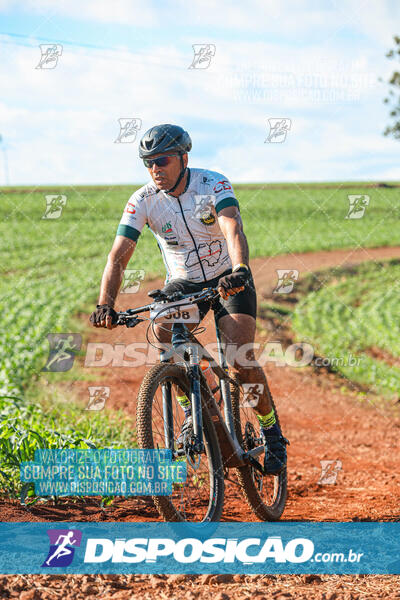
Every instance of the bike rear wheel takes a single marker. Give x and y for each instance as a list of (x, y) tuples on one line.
[(201, 497), (266, 495)]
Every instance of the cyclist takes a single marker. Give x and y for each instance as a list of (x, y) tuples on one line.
[(195, 218)]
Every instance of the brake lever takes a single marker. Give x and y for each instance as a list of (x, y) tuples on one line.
[(157, 295), (129, 321)]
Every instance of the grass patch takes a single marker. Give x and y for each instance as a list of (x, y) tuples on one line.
[(53, 422), (352, 317)]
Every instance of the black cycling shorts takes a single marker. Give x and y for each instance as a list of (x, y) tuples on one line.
[(244, 302)]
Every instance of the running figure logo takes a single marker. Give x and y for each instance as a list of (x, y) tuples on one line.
[(251, 394), (203, 54), (358, 204), (49, 55), (203, 208), (278, 129), (131, 281), (329, 471), (286, 280), (63, 347), (98, 395), (128, 129), (54, 206), (62, 547)]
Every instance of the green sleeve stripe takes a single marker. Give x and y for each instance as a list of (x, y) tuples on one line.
[(226, 202), (129, 232)]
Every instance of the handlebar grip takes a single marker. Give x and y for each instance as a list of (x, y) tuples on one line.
[(157, 295)]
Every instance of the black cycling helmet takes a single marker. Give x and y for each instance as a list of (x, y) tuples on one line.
[(163, 138)]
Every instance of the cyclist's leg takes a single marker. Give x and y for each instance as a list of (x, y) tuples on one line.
[(237, 322), (238, 329), (236, 318)]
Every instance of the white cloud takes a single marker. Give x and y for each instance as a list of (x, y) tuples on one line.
[(60, 124)]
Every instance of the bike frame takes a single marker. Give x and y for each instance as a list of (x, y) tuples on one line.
[(185, 345), (188, 347)]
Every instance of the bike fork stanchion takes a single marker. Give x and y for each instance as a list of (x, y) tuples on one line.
[(167, 410), (168, 416), (195, 393)]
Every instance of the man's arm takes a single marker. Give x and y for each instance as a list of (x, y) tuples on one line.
[(117, 261), (231, 225)]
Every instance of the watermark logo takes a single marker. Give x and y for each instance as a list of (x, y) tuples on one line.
[(50, 54), (132, 280), (203, 209), (334, 362), (252, 393), (357, 206), (286, 280), (191, 550), (329, 471), (128, 129), (278, 129), (54, 206), (203, 54), (62, 547), (63, 347), (138, 354), (97, 397)]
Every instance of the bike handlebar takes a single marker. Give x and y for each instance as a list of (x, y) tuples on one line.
[(130, 319)]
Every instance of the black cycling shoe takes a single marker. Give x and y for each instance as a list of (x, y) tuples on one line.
[(275, 454), (186, 432)]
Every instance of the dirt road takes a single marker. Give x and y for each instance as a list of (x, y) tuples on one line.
[(321, 422)]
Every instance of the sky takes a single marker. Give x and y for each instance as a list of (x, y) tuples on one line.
[(312, 66)]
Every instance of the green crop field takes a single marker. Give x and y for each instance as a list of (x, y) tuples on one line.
[(51, 268), (354, 320)]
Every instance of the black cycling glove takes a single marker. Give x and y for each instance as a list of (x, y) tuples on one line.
[(102, 311), (240, 277)]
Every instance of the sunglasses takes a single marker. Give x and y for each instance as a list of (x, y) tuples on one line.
[(161, 161)]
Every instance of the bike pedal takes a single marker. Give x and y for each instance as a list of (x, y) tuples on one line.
[(254, 463)]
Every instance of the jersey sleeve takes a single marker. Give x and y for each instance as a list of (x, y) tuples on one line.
[(223, 193), (133, 218)]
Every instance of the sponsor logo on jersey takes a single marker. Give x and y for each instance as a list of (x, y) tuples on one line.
[(222, 185), (130, 208), (166, 228), (207, 218), (171, 240)]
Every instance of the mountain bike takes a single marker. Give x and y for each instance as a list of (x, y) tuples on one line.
[(224, 435)]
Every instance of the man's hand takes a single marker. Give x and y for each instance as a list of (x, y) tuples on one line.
[(104, 316), (233, 283)]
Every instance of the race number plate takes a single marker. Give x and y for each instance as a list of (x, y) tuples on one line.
[(184, 313)]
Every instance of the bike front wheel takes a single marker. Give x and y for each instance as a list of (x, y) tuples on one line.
[(200, 498), (265, 494)]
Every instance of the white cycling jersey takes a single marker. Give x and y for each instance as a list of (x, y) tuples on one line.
[(186, 228)]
